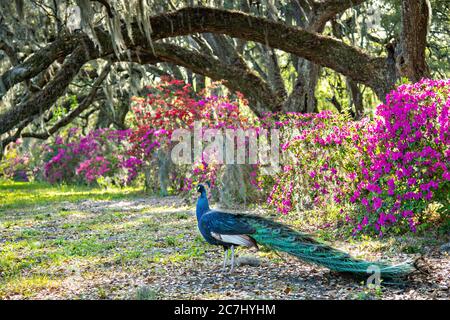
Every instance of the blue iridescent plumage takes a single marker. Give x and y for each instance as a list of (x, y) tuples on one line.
[(230, 230)]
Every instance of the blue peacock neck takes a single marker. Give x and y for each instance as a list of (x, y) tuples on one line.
[(202, 205)]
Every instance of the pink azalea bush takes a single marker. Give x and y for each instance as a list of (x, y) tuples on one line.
[(381, 173), (318, 164), (101, 153), (390, 168), (15, 164), (405, 161)]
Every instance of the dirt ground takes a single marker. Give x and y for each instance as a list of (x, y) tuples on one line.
[(150, 248)]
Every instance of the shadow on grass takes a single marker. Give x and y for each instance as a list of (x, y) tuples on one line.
[(43, 251)]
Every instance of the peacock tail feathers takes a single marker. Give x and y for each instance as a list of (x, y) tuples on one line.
[(303, 246)]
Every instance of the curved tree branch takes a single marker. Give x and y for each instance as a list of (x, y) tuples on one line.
[(321, 50), (10, 52), (237, 78), (107, 7), (44, 99), (325, 10), (12, 138), (38, 62), (85, 103)]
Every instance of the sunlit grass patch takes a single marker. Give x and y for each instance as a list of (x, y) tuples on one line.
[(181, 216), (27, 287), (77, 227), (190, 253), (18, 195), (150, 224), (83, 247), (186, 250), (67, 213), (30, 233), (18, 256)]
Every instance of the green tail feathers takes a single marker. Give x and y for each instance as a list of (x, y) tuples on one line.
[(282, 238)]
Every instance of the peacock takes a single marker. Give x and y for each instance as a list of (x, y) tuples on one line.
[(230, 230)]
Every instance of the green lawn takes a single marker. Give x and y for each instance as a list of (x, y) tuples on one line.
[(67, 242), (19, 195), (50, 233)]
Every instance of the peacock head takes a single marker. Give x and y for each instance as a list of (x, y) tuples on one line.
[(201, 189)]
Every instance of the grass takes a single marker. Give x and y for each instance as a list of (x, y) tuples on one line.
[(20, 195), (26, 287), (74, 242), (43, 243), (146, 293)]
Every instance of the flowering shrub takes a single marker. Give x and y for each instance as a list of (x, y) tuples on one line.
[(172, 104), (14, 164), (381, 173), (318, 163), (405, 163), (390, 169), (101, 153)]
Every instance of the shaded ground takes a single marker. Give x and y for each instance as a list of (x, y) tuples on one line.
[(55, 244)]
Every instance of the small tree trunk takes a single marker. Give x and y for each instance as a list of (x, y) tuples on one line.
[(163, 172), (199, 82), (311, 101), (235, 185), (274, 73), (148, 184), (410, 60), (103, 119), (303, 99), (356, 99)]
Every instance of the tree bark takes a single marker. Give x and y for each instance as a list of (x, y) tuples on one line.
[(319, 49), (322, 50), (39, 61), (302, 98), (356, 99), (274, 73), (43, 100), (250, 84), (324, 10), (410, 60)]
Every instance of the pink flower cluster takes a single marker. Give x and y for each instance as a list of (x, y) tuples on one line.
[(388, 168), (94, 168), (101, 153), (406, 155)]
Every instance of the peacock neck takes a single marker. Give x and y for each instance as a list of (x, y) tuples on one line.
[(202, 206)]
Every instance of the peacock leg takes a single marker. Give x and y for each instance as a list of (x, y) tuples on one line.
[(232, 259), (225, 258)]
